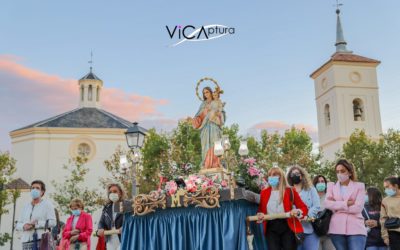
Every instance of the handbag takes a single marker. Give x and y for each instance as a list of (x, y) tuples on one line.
[(298, 236), (392, 223), (321, 222), (47, 240)]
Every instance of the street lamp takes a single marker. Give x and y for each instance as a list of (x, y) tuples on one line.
[(135, 136)]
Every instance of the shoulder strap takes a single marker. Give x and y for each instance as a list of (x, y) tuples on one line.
[(291, 196), (366, 213)]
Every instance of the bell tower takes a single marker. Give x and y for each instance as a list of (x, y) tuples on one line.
[(89, 90), (346, 95)]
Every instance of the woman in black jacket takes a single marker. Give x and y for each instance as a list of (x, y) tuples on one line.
[(110, 219), (371, 214)]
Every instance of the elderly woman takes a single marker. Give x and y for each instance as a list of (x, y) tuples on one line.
[(77, 231)]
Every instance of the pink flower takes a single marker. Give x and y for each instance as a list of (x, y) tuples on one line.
[(250, 161), (191, 186), (204, 185), (253, 171), (171, 187), (224, 183)]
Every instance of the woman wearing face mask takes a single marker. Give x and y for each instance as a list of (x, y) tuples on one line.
[(345, 199), (320, 183), (78, 228), (110, 219), (390, 211), (371, 214), (300, 180), (278, 198)]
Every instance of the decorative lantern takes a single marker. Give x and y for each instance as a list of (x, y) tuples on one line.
[(218, 149), (243, 149)]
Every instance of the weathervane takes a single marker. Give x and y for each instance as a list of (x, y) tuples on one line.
[(91, 60), (337, 5)]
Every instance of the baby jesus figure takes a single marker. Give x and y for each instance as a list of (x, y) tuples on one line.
[(217, 108)]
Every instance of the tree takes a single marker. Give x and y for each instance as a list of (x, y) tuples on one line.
[(118, 174), (186, 148), (373, 160), (296, 148), (156, 160), (7, 169), (73, 187)]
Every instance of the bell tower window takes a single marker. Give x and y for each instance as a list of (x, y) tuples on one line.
[(327, 115), (358, 110), (90, 93), (82, 92), (97, 93)]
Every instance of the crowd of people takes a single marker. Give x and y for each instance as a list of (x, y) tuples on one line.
[(39, 216), (359, 218)]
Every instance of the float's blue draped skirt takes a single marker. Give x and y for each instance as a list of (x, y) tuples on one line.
[(193, 228)]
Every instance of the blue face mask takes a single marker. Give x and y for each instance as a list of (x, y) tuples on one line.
[(366, 199), (273, 181), (320, 187), (35, 193), (76, 212), (390, 192)]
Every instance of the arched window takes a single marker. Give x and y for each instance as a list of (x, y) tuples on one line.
[(327, 114), (90, 94), (358, 110), (98, 94), (82, 92)]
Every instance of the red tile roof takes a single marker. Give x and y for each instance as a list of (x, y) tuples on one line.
[(347, 57)]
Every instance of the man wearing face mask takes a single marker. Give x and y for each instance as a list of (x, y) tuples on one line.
[(110, 219), (35, 214)]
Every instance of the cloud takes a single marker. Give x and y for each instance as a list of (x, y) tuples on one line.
[(281, 127), (161, 124), (28, 95)]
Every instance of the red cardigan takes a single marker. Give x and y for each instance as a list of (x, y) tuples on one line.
[(299, 204), (84, 225)]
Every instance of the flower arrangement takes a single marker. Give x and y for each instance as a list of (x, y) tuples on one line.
[(192, 184), (251, 176)]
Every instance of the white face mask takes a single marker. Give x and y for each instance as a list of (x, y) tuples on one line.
[(113, 197)]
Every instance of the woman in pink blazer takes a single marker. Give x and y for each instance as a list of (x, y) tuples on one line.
[(78, 228), (345, 199)]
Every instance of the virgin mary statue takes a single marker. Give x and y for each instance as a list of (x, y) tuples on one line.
[(209, 120)]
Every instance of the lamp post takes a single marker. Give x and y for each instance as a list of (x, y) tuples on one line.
[(135, 136)]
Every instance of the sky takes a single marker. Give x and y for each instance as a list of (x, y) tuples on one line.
[(263, 68)]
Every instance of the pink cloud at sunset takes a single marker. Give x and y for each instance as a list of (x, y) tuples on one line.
[(28, 95)]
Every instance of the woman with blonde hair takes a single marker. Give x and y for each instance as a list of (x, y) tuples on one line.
[(300, 180), (111, 219), (78, 228), (279, 198)]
